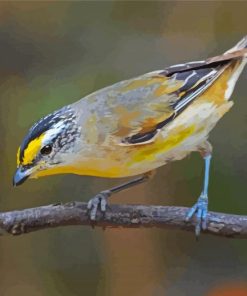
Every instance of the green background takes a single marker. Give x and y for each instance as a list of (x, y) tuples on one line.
[(54, 53)]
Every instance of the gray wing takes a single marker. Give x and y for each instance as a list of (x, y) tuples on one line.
[(133, 111)]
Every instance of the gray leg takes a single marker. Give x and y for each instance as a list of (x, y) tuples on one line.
[(200, 208), (100, 200)]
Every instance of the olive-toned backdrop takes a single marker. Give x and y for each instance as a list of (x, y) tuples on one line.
[(52, 54)]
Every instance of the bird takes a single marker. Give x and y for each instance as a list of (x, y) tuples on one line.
[(132, 127)]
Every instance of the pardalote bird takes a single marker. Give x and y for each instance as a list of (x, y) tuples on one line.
[(135, 126)]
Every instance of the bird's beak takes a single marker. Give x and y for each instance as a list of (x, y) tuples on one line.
[(20, 176)]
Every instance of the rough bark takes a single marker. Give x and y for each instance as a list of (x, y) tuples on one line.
[(127, 216)]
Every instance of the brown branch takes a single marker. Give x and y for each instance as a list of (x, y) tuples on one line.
[(127, 216)]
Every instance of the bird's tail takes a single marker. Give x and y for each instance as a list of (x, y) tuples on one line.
[(237, 51), (240, 46)]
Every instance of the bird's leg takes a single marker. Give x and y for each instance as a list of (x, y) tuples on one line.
[(200, 208), (100, 200)]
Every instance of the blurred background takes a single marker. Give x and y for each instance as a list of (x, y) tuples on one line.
[(54, 53)]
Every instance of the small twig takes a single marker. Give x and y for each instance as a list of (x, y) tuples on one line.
[(127, 216)]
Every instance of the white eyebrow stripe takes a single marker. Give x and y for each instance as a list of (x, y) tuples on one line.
[(49, 134)]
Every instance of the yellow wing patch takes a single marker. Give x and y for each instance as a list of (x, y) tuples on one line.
[(149, 152), (31, 150), (218, 90)]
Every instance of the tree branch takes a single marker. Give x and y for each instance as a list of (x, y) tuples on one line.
[(127, 216)]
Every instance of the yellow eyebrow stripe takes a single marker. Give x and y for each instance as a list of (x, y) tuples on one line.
[(32, 150)]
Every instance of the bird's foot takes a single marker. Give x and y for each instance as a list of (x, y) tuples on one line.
[(98, 202), (200, 209)]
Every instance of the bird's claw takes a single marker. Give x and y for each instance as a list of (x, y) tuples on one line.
[(98, 202), (200, 210)]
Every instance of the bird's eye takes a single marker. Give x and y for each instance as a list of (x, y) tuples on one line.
[(46, 150)]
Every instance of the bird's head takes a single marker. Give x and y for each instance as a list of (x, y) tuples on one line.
[(48, 146)]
